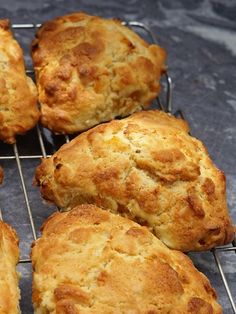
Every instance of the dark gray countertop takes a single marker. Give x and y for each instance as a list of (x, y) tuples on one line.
[(200, 38)]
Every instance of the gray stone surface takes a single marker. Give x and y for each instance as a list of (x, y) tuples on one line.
[(200, 38)]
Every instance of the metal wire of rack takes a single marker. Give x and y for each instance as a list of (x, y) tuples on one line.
[(167, 107)]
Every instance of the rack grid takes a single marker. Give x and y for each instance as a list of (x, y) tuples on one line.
[(39, 136)]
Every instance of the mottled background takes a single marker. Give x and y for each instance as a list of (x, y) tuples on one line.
[(200, 38)]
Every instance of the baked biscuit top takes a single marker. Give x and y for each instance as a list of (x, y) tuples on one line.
[(149, 169), (91, 261), (9, 256), (18, 95), (90, 70)]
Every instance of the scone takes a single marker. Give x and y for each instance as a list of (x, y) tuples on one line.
[(90, 70), (91, 261), (149, 169), (18, 94), (9, 255)]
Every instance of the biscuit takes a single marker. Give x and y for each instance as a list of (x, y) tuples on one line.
[(9, 255), (18, 94), (91, 261), (90, 70), (149, 169)]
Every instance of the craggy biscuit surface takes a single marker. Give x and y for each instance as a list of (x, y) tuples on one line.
[(18, 95), (90, 70), (9, 255), (91, 261), (149, 169)]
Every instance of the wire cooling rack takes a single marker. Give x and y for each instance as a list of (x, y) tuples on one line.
[(22, 206)]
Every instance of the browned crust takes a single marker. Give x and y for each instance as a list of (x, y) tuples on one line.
[(9, 256), (18, 95), (149, 169), (90, 70), (91, 261), (5, 24)]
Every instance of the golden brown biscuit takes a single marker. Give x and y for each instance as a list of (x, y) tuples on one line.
[(91, 261), (18, 95), (9, 255), (90, 70), (149, 169)]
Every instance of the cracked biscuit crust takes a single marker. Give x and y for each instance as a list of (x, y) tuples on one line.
[(91, 261), (9, 255), (149, 169), (18, 95), (90, 70)]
